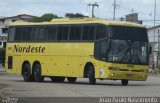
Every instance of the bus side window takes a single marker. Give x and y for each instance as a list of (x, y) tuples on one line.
[(75, 33), (103, 50), (100, 50), (62, 33), (39, 33), (101, 32), (27, 34), (97, 50), (18, 34), (88, 32), (11, 35), (51, 32)]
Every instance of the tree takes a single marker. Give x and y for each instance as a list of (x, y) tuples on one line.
[(48, 17), (72, 15), (45, 17)]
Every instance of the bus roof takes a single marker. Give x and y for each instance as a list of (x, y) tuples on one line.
[(77, 21)]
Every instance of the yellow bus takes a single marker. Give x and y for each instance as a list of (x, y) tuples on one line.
[(78, 48)]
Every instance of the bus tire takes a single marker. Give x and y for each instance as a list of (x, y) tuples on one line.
[(124, 82), (37, 73), (57, 79), (72, 79), (91, 74), (26, 73)]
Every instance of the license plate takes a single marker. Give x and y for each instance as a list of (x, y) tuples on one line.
[(129, 75)]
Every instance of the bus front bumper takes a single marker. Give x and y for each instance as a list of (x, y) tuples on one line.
[(135, 76)]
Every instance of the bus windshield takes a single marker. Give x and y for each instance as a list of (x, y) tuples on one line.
[(128, 45), (128, 33), (126, 51)]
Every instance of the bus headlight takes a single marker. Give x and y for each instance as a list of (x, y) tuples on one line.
[(113, 68)]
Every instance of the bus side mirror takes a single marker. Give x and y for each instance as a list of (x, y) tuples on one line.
[(150, 49)]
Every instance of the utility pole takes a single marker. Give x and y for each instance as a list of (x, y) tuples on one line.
[(93, 7), (154, 48), (155, 4), (114, 10), (158, 57)]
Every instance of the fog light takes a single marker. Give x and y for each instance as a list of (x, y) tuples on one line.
[(112, 74)]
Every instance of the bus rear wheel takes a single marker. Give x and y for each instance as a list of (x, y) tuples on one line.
[(57, 79), (72, 79), (37, 73), (91, 74), (124, 82), (26, 73)]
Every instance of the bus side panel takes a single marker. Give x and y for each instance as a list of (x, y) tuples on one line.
[(103, 69), (12, 61), (61, 54), (50, 65), (85, 51), (72, 67), (16, 65)]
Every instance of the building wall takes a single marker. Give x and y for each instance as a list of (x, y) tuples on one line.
[(155, 43), (7, 21)]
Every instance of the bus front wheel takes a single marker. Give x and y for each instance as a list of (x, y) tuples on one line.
[(124, 82), (26, 72), (72, 79), (91, 74), (37, 73)]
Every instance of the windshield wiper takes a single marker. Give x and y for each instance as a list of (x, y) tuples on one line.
[(123, 51)]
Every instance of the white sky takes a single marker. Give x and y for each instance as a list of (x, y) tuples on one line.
[(60, 7)]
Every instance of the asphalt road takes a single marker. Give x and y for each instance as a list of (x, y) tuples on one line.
[(12, 85)]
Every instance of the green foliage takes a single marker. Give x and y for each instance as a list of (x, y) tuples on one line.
[(46, 17), (36, 20), (72, 15), (2, 55)]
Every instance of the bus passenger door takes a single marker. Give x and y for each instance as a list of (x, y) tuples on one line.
[(100, 53)]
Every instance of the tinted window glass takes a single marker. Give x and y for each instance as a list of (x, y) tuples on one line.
[(12, 31), (100, 49), (18, 33), (101, 31), (103, 50), (27, 34), (75, 33), (88, 32), (39, 33), (129, 33), (62, 33), (97, 50), (51, 32)]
